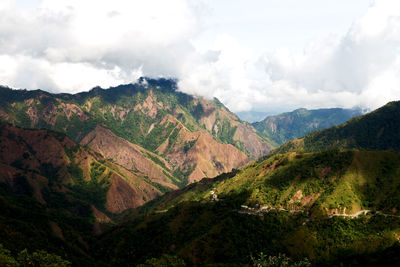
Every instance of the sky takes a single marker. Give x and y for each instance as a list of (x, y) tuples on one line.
[(254, 55)]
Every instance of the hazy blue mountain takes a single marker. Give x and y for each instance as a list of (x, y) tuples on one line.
[(290, 125)]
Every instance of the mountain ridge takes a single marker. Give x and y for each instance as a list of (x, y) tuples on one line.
[(150, 113), (375, 131), (291, 125)]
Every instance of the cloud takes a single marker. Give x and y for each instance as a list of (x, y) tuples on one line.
[(72, 45), (360, 68)]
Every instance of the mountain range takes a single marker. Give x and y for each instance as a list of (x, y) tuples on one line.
[(337, 206), (290, 125), (145, 174), (166, 135)]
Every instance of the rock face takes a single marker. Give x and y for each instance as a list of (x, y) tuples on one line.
[(167, 137)]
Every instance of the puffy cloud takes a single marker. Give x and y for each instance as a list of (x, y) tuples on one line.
[(73, 45), (361, 68)]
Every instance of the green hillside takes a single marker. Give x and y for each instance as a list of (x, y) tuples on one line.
[(336, 204), (214, 233), (377, 130), (339, 206), (304, 205), (290, 125), (326, 183)]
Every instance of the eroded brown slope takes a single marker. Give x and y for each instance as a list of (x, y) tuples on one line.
[(126, 154), (205, 156), (214, 118), (46, 161), (143, 119)]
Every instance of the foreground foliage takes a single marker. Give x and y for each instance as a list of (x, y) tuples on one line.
[(24, 258), (278, 261)]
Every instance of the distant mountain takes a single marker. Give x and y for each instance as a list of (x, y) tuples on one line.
[(188, 138), (290, 125), (252, 116), (377, 130)]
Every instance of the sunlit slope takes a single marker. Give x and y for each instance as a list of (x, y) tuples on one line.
[(378, 130), (323, 183)]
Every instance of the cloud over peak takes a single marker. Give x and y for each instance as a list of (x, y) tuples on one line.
[(72, 45)]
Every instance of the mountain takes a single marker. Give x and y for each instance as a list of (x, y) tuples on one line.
[(337, 206), (57, 195), (47, 162), (287, 126), (308, 205), (377, 130), (252, 116), (332, 197), (328, 182), (188, 138)]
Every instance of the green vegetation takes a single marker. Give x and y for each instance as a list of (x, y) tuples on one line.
[(213, 233), (278, 261), (287, 126), (183, 174), (283, 205), (133, 112), (225, 131), (37, 258), (188, 145), (324, 182), (172, 138), (164, 261), (26, 224), (375, 131), (95, 190)]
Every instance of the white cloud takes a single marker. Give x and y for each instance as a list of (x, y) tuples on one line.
[(74, 45), (360, 68)]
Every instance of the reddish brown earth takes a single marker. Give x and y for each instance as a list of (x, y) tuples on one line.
[(25, 152), (126, 154), (245, 133), (210, 157)]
